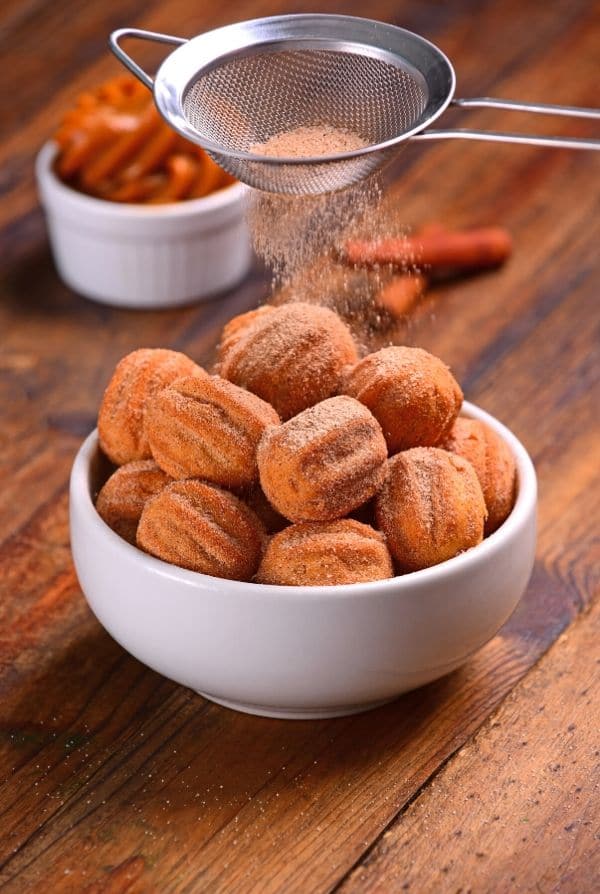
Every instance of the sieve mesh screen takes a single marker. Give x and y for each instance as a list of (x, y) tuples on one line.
[(251, 97)]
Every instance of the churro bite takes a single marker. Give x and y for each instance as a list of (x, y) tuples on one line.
[(123, 497), (325, 553), (323, 463), (237, 327), (203, 528), (430, 508), (412, 394), (493, 462), (114, 145), (136, 378), (292, 356), (206, 427)]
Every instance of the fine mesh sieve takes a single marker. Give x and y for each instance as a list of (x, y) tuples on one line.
[(247, 101), (234, 88)]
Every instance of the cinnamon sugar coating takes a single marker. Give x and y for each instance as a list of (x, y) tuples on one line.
[(325, 553), (293, 356), (203, 528), (123, 497), (237, 327), (137, 377), (206, 427), (323, 463), (493, 461), (412, 394), (430, 508)]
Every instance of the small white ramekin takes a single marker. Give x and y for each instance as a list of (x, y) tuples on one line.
[(141, 256), (301, 652)]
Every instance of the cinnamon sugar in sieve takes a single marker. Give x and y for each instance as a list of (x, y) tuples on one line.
[(310, 140), (301, 238)]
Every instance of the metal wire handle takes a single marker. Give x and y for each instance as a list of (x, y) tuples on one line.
[(515, 106), (433, 134), (127, 61)]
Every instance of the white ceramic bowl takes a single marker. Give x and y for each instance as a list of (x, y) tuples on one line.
[(142, 256), (302, 652)]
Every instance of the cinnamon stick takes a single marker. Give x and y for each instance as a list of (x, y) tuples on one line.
[(475, 249)]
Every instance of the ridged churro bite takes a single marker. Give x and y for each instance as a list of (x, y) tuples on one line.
[(206, 427), (114, 145), (325, 553), (412, 394), (493, 462), (203, 528), (238, 326), (123, 497), (293, 356), (323, 463), (136, 378), (430, 508)]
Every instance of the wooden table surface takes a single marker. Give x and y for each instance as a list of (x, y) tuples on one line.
[(113, 779)]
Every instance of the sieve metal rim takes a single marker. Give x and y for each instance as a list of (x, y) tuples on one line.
[(180, 70), (315, 45)]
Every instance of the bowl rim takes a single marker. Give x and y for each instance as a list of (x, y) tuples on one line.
[(525, 505), (48, 179)]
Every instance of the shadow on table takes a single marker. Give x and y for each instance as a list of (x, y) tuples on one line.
[(85, 719), (133, 758), (93, 713)]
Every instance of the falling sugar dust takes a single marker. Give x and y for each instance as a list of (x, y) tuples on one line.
[(301, 239)]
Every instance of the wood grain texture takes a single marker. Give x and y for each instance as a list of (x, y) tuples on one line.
[(113, 779), (528, 824)]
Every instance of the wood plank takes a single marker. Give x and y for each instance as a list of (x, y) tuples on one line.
[(361, 762), (114, 779), (136, 768), (530, 823)]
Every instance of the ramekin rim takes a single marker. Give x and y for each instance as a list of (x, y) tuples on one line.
[(221, 198), (525, 503)]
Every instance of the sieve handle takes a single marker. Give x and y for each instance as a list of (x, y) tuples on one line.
[(539, 108), (127, 61), (515, 106)]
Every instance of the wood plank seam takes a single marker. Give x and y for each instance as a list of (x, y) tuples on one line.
[(553, 654)]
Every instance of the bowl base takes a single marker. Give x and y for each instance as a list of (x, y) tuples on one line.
[(295, 713)]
